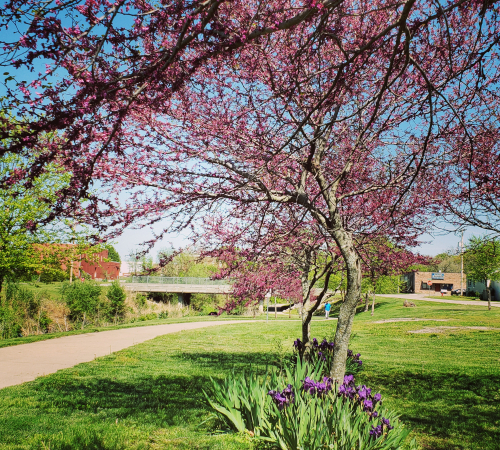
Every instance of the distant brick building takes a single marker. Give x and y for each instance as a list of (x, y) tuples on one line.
[(94, 264), (418, 282), (97, 268)]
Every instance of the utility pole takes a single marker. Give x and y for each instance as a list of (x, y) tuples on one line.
[(462, 263), (72, 226), (268, 296)]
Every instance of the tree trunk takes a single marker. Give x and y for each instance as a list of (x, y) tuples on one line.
[(306, 329), (489, 298), (306, 299), (367, 302), (373, 303), (348, 307), (1, 283)]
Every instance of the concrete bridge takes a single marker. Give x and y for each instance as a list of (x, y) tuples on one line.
[(182, 286), (185, 286)]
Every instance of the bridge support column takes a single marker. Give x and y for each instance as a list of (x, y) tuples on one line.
[(184, 299)]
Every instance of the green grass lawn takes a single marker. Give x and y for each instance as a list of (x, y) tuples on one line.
[(54, 289), (454, 297), (445, 385)]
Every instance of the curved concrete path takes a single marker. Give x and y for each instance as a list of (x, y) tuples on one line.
[(26, 362), (438, 300)]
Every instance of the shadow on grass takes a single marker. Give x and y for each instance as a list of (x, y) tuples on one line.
[(456, 411), (166, 399), (224, 361)]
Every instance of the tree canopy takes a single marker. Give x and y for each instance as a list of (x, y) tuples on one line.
[(21, 209), (113, 255), (482, 259)]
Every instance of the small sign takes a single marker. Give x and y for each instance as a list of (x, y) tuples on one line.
[(437, 276), (429, 283)]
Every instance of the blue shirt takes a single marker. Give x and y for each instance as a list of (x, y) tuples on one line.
[(328, 307)]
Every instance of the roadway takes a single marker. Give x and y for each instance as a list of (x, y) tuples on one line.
[(424, 297)]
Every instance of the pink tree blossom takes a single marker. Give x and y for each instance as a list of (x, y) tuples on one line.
[(273, 249)]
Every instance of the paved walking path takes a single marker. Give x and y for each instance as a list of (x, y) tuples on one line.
[(26, 362), (413, 297)]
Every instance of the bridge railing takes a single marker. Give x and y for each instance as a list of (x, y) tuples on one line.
[(177, 280)]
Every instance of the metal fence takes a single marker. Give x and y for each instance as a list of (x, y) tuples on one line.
[(178, 280)]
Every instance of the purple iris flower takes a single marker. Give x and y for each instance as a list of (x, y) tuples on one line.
[(377, 397), (363, 392), (316, 387), (387, 423), (376, 431), (282, 399), (348, 379)]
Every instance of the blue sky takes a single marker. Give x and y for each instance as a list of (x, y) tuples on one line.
[(131, 239)]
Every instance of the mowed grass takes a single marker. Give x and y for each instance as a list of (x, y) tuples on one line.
[(445, 385)]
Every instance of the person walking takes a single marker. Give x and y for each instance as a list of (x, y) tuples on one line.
[(327, 309)]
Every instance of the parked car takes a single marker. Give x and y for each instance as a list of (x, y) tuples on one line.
[(458, 292)]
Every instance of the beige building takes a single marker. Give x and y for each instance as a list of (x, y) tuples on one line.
[(423, 282)]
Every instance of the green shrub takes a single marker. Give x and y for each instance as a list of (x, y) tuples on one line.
[(53, 276), (116, 296), (82, 298), (10, 322), (199, 302), (388, 284), (238, 311), (44, 321), (163, 315), (16, 307), (140, 301), (23, 300), (207, 309)]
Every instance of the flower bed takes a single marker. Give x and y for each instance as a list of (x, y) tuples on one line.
[(298, 408)]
